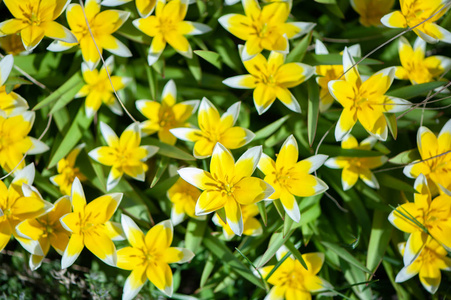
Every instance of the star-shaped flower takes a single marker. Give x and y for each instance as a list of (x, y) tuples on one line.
[(371, 11)]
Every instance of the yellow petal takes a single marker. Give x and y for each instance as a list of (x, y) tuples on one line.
[(210, 201), (73, 250), (101, 209), (129, 258), (251, 190), (31, 36), (98, 242), (159, 237), (160, 275)]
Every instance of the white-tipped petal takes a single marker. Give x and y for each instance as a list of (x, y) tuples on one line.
[(198, 28), (108, 134), (6, 65)]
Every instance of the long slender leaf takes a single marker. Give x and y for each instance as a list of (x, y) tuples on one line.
[(344, 254)]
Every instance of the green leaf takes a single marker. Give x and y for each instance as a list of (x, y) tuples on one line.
[(405, 157), (13, 80), (279, 207), (341, 252), (80, 124), (296, 253), (162, 165), (395, 183), (379, 239), (67, 97), (194, 234), (333, 151), (392, 124), (167, 150), (262, 209), (210, 56), (208, 268), (313, 109), (194, 67), (326, 1), (334, 59), (287, 224), (70, 85), (270, 129), (298, 52), (411, 91), (277, 240), (226, 256)]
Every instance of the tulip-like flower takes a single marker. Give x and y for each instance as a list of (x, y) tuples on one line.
[(166, 115), (102, 24), (371, 11), (10, 103), (251, 226), (290, 177), (124, 154), (36, 19), (228, 185), (415, 67), (183, 197), (414, 12), (14, 139), (357, 167), (435, 163), (264, 28), (364, 101), (214, 129), (328, 73), (89, 226), (149, 257), (67, 171), (19, 202), (270, 79), (427, 265), (98, 89), (425, 217), (144, 7), (168, 26), (292, 281), (47, 230)]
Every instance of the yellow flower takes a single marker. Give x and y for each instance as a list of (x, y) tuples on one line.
[(264, 28), (36, 19), (183, 197), (436, 170), (19, 202), (371, 11), (291, 178), (251, 226), (214, 129), (12, 44), (327, 73), (270, 79), (427, 265), (123, 154), (47, 230), (10, 103), (415, 67), (89, 226), (167, 115), (149, 257), (14, 139), (98, 88), (103, 25), (228, 185), (292, 281), (168, 26), (364, 100), (355, 167), (144, 7), (425, 217), (414, 12), (67, 171)]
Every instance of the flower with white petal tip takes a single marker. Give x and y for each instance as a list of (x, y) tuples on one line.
[(357, 167), (124, 154), (36, 19), (183, 197), (149, 257), (264, 28), (419, 14), (144, 7), (98, 89), (364, 101), (228, 185), (10, 103), (290, 177), (168, 26), (292, 281), (371, 11), (435, 163), (427, 265), (251, 226), (214, 129), (270, 79), (166, 115), (89, 226), (102, 25)]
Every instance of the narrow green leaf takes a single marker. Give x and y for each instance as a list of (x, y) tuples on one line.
[(335, 10), (411, 91), (276, 266), (258, 271), (277, 240), (333, 151), (341, 252), (208, 268), (67, 97), (298, 52), (262, 209), (313, 109), (326, 1), (161, 167), (395, 183), (160, 189), (13, 80), (167, 150), (392, 124), (210, 56), (379, 239), (405, 157), (287, 224), (279, 208), (194, 67), (296, 253), (226, 256), (72, 137), (270, 129), (334, 59), (62, 119), (61, 91), (194, 234)]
